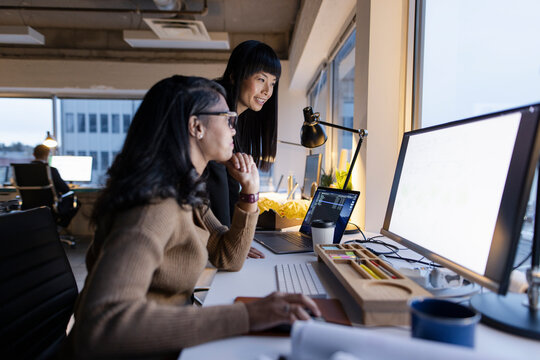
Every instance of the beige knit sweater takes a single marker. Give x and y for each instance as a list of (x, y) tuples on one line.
[(142, 268)]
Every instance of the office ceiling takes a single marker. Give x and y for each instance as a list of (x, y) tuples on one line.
[(96, 30)]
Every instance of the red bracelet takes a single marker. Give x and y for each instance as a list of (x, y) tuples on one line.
[(249, 198)]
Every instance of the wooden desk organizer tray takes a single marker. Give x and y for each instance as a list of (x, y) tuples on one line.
[(380, 290)]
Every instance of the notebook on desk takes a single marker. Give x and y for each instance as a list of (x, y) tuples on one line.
[(328, 204)]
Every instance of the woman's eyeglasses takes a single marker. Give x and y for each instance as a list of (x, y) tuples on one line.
[(231, 116)]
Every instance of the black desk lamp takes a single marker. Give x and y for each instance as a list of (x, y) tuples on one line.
[(313, 135)]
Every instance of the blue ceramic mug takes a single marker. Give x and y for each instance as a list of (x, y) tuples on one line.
[(443, 320)]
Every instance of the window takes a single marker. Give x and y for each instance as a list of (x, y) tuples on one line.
[(343, 101), (127, 121), (319, 97), (476, 57), (336, 78), (70, 123), (115, 118), (266, 180), (81, 122), (92, 123), (31, 118), (105, 114), (25, 123), (93, 154), (104, 119), (104, 160)]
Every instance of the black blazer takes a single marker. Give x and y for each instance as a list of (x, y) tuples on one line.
[(223, 192), (59, 185)]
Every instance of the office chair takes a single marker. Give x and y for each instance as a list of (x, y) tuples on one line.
[(203, 285), (35, 187), (37, 287)]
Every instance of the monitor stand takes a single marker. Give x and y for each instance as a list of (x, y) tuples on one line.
[(509, 313), (516, 313)]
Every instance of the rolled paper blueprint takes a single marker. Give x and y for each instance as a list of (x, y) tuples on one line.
[(313, 340)]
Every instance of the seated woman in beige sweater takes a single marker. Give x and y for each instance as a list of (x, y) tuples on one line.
[(155, 234)]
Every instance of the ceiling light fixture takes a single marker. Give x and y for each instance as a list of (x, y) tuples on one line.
[(20, 35), (148, 39)]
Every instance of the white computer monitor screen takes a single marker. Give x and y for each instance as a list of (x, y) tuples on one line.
[(454, 194), (312, 174), (73, 168)]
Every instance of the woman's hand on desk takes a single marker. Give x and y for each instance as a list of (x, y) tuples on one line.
[(278, 308), (255, 254)]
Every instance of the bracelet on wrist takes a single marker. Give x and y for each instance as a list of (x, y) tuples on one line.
[(248, 198)]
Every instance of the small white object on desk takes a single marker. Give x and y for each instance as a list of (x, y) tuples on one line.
[(518, 282), (419, 275), (322, 232)]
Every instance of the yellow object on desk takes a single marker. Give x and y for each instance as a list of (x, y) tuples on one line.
[(277, 215), (292, 209)]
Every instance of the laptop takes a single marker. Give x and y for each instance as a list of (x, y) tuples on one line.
[(331, 204)]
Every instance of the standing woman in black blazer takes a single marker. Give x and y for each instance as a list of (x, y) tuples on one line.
[(251, 81)]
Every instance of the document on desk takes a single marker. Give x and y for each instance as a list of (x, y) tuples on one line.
[(320, 341)]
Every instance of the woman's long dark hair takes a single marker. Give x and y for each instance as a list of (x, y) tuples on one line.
[(256, 131), (155, 160)]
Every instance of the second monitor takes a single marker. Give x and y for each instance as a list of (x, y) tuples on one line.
[(73, 168), (312, 174)]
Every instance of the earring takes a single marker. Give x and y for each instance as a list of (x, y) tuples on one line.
[(200, 136)]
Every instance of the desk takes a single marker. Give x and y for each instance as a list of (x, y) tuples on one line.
[(80, 224), (257, 278)]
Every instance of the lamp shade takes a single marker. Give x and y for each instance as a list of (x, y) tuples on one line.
[(312, 133)]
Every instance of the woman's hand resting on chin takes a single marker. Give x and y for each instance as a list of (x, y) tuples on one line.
[(244, 170)]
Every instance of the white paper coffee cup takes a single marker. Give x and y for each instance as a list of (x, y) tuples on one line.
[(322, 232)]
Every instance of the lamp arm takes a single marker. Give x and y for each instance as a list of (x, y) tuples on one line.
[(311, 118), (361, 132), (356, 152)]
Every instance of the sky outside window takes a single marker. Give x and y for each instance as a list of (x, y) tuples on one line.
[(25, 120)]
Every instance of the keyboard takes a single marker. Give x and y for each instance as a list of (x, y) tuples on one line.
[(299, 279), (298, 239)]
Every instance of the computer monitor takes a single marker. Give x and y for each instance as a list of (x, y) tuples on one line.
[(312, 174), (73, 168), (5, 175), (460, 192)]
